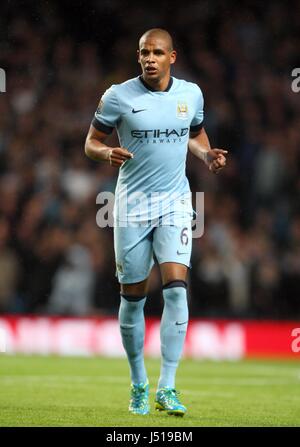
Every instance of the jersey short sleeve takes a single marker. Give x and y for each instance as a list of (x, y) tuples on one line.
[(197, 121), (108, 112)]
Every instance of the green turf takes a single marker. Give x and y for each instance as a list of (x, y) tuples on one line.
[(57, 391)]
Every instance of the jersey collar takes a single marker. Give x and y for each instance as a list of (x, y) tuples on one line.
[(152, 89)]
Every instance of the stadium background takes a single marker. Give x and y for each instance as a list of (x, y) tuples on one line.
[(59, 58)]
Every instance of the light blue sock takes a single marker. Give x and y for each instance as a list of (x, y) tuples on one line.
[(132, 327), (173, 329)]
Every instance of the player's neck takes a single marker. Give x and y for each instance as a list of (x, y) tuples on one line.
[(159, 85), (162, 84)]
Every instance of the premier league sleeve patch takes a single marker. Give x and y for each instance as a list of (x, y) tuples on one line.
[(100, 107)]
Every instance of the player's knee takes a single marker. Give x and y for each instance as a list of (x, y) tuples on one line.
[(131, 311), (174, 294), (174, 284), (132, 298)]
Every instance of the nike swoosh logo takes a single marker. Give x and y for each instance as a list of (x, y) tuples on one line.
[(181, 253), (179, 324), (137, 111)]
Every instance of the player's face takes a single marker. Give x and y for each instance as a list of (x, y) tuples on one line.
[(155, 58)]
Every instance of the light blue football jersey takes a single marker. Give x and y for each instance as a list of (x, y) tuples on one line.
[(154, 126)]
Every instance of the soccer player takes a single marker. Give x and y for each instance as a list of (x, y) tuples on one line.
[(157, 117)]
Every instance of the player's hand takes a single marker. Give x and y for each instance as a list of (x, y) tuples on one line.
[(116, 156), (216, 160)]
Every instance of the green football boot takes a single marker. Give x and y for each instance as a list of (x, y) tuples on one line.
[(167, 400), (139, 400)]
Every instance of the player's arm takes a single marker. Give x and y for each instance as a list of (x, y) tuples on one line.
[(199, 146), (96, 149)]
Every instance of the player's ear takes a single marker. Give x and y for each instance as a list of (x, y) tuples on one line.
[(138, 56), (173, 56)]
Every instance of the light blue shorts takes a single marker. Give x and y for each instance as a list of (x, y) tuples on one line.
[(136, 246)]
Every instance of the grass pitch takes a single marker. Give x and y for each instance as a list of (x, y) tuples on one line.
[(92, 392)]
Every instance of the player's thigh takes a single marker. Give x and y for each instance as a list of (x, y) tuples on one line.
[(133, 254), (173, 245), (172, 271), (136, 289)]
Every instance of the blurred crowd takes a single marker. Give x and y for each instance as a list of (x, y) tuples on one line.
[(53, 257)]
